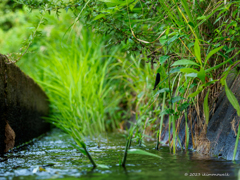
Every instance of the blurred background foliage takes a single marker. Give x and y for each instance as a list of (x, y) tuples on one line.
[(193, 45), (58, 45)]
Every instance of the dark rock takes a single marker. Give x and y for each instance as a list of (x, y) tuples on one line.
[(9, 138), (223, 126)]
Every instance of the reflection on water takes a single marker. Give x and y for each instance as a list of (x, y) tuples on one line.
[(52, 157)]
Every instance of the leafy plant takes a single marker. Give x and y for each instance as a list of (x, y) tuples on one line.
[(193, 45), (134, 151)]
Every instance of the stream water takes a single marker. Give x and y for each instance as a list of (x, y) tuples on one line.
[(52, 157)]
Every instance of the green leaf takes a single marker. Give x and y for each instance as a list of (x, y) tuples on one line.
[(182, 89), (163, 40), (219, 65), (99, 16), (233, 100), (83, 144), (184, 62), (159, 70), (167, 111), (140, 95), (133, 5), (201, 75), (116, 2), (236, 144), (196, 92), (202, 17), (186, 132), (186, 7), (224, 76), (190, 45), (176, 69), (207, 17), (142, 152), (191, 75), (172, 39), (228, 51), (206, 108), (191, 24), (176, 99), (189, 70), (120, 162), (197, 51), (161, 91), (78, 148), (102, 166), (201, 87), (162, 59), (217, 20), (192, 85), (167, 31), (212, 53), (183, 106)]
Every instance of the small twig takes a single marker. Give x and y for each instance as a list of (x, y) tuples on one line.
[(33, 36)]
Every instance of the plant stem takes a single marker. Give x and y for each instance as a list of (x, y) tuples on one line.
[(236, 143), (90, 157), (169, 130), (162, 116), (186, 132), (125, 153), (174, 135), (157, 141)]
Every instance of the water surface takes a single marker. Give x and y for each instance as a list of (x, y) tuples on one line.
[(52, 157)]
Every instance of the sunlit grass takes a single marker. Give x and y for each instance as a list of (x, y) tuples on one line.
[(75, 76)]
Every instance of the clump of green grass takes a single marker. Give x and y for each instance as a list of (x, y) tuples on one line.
[(76, 79), (75, 74)]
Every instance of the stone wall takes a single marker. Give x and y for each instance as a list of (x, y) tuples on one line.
[(219, 137), (22, 106)]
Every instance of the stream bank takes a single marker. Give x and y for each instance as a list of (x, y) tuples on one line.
[(220, 136)]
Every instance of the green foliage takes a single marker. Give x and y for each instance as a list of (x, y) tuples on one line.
[(14, 29), (79, 85), (9, 12), (192, 45)]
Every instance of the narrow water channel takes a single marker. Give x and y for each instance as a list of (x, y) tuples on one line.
[(51, 157)]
